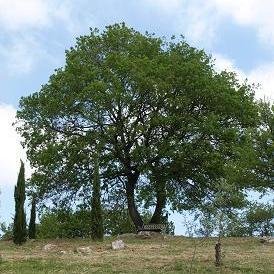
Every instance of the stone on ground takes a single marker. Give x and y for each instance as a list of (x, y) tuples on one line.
[(144, 234), (49, 247), (150, 234), (119, 244), (84, 250)]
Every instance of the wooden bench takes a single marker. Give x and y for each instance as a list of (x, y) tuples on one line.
[(152, 227)]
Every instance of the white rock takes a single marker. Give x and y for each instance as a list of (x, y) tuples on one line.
[(63, 252), (49, 247), (84, 249), (119, 244)]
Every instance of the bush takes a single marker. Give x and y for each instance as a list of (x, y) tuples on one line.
[(64, 223), (68, 223)]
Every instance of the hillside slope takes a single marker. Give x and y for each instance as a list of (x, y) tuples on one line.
[(158, 255)]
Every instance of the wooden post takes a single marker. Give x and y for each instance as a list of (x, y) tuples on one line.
[(218, 254)]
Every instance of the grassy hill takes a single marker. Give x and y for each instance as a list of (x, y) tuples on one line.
[(157, 255)]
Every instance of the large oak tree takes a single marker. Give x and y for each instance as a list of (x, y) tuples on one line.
[(168, 124)]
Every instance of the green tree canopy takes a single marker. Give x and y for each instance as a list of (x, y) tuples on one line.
[(168, 123)]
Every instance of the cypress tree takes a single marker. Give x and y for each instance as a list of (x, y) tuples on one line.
[(32, 225), (96, 207), (19, 226)]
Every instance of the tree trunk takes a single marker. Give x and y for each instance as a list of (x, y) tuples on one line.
[(132, 209), (160, 189)]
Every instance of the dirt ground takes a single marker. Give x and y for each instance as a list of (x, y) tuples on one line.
[(155, 255)]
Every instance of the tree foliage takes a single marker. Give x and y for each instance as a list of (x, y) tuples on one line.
[(250, 219), (65, 223), (260, 219), (6, 231), (170, 125), (264, 148)]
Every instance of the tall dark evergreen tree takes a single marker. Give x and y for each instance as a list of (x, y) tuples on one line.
[(32, 226), (96, 207), (19, 227)]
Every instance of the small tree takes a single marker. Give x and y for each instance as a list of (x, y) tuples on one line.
[(19, 227), (260, 219), (217, 212), (32, 225)]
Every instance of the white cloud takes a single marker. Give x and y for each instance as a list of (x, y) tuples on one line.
[(18, 15), (166, 5), (21, 54), (21, 15), (205, 17), (192, 18), (201, 20), (17, 56), (11, 150), (24, 45), (252, 13), (224, 63), (20, 57), (199, 23), (21, 49), (263, 75)]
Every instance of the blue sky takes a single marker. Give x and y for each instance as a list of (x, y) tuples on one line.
[(35, 33)]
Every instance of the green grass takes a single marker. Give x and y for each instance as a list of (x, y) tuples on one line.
[(158, 255)]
